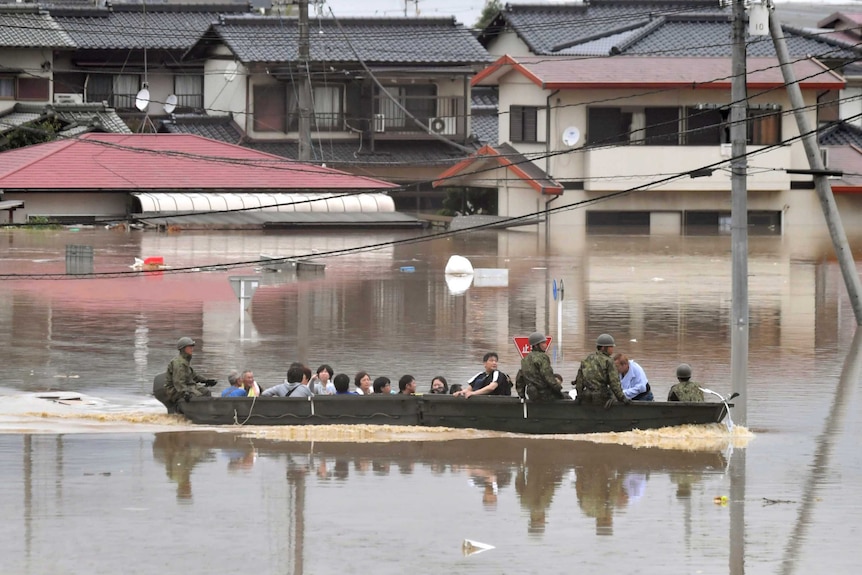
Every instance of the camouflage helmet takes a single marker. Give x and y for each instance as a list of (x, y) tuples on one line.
[(536, 338), (605, 340), (683, 370), (184, 342)]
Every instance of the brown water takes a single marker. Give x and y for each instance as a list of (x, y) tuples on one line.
[(105, 483)]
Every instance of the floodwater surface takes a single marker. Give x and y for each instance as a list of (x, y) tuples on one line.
[(96, 478)]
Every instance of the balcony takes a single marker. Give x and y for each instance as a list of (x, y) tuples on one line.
[(445, 115), (626, 167)]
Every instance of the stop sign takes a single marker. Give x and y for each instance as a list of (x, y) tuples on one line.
[(522, 344)]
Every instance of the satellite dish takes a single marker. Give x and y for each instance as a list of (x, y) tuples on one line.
[(571, 135), (142, 100), (170, 104), (230, 72)]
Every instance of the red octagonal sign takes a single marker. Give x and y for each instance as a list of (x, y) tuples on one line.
[(522, 344)]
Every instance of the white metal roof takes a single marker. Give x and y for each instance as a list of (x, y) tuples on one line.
[(191, 202)]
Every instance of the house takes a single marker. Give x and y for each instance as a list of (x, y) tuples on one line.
[(622, 107), (187, 181), (390, 95)]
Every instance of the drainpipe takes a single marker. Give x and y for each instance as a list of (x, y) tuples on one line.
[(548, 166)]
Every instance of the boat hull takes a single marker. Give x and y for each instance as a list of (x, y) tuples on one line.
[(508, 414)]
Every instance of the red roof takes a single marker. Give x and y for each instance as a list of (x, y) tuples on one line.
[(568, 73), (508, 157), (164, 162)]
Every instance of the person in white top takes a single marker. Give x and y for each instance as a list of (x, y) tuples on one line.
[(321, 383), (362, 381)]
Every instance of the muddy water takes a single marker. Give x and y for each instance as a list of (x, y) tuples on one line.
[(95, 479)]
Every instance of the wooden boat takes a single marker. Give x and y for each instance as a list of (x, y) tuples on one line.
[(509, 414)]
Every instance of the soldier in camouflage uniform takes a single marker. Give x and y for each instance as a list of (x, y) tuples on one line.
[(598, 381), (535, 379), (181, 380), (685, 390)]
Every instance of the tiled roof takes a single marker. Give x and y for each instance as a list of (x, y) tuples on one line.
[(485, 127), (484, 98), (503, 155), (19, 29), (840, 134), (638, 27), (333, 152), (627, 72), (153, 162), (373, 41), (77, 118), (148, 26)]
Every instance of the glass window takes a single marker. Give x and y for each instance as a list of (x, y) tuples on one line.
[(270, 112), (327, 107), (608, 126), (705, 127), (99, 87), (126, 87), (7, 88), (189, 90), (34, 89), (662, 126), (764, 127), (523, 123)]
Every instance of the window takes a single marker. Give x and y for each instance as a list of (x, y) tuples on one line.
[(662, 126), (608, 126), (523, 123), (706, 126), (189, 89), (270, 111), (327, 107), (120, 90), (764, 127), (419, 100), (7, 88)]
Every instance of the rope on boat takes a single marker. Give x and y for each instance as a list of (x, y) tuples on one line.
[(250, 409)]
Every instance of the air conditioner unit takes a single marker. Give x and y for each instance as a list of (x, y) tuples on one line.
[(379, 123), (444, 126), (68, 98)]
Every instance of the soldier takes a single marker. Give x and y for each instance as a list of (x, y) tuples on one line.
[(598, 381), (181, 381), (685, 390), (535, 379)]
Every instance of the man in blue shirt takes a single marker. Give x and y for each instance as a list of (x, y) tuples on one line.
[(632, 378), (236, 388)]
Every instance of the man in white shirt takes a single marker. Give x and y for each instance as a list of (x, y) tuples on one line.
[(632, 379)]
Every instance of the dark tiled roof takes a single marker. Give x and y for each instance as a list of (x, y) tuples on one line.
[(636, 27), (485, 127), (22, 30), (333, 152), (841, 134), (374, 41), (76, 118), (484, 98), (135, 27)]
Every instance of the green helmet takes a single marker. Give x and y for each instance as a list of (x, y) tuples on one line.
[(683, 370), (605, 340), (536, 338), (184, 342)]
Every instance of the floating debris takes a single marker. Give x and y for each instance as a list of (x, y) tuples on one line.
[(470, 547)]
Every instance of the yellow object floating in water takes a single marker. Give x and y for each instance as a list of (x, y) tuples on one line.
[(722, 500)]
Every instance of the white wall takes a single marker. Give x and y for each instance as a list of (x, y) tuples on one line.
[(225, 93), (111, 204), (508, 43)]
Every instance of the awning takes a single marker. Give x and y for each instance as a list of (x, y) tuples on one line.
[(11, 204), (190, 202)]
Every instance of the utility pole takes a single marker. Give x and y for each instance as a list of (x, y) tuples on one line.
[(305, 109), (739, 215), (821, 181)]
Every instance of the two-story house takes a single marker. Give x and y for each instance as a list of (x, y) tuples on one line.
[(390, 96), (610, 109)]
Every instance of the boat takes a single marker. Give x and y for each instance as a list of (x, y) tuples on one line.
[(492, 413)]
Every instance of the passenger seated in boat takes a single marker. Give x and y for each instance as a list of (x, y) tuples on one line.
[(321, 383), (251, 387), (407, 385), (685, 390), (181, 381), (295, 386), (489, 381), (454, 388), (362, 382), (236, 388), (382, 385), (342, 384), (633, 379), (439, 385)]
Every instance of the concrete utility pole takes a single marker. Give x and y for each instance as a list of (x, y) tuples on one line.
[(305, 108), (739, 216), (815, 161)]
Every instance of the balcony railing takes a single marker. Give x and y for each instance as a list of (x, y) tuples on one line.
[(445, 115)]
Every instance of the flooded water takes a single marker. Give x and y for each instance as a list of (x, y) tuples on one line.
[(97, 479)]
